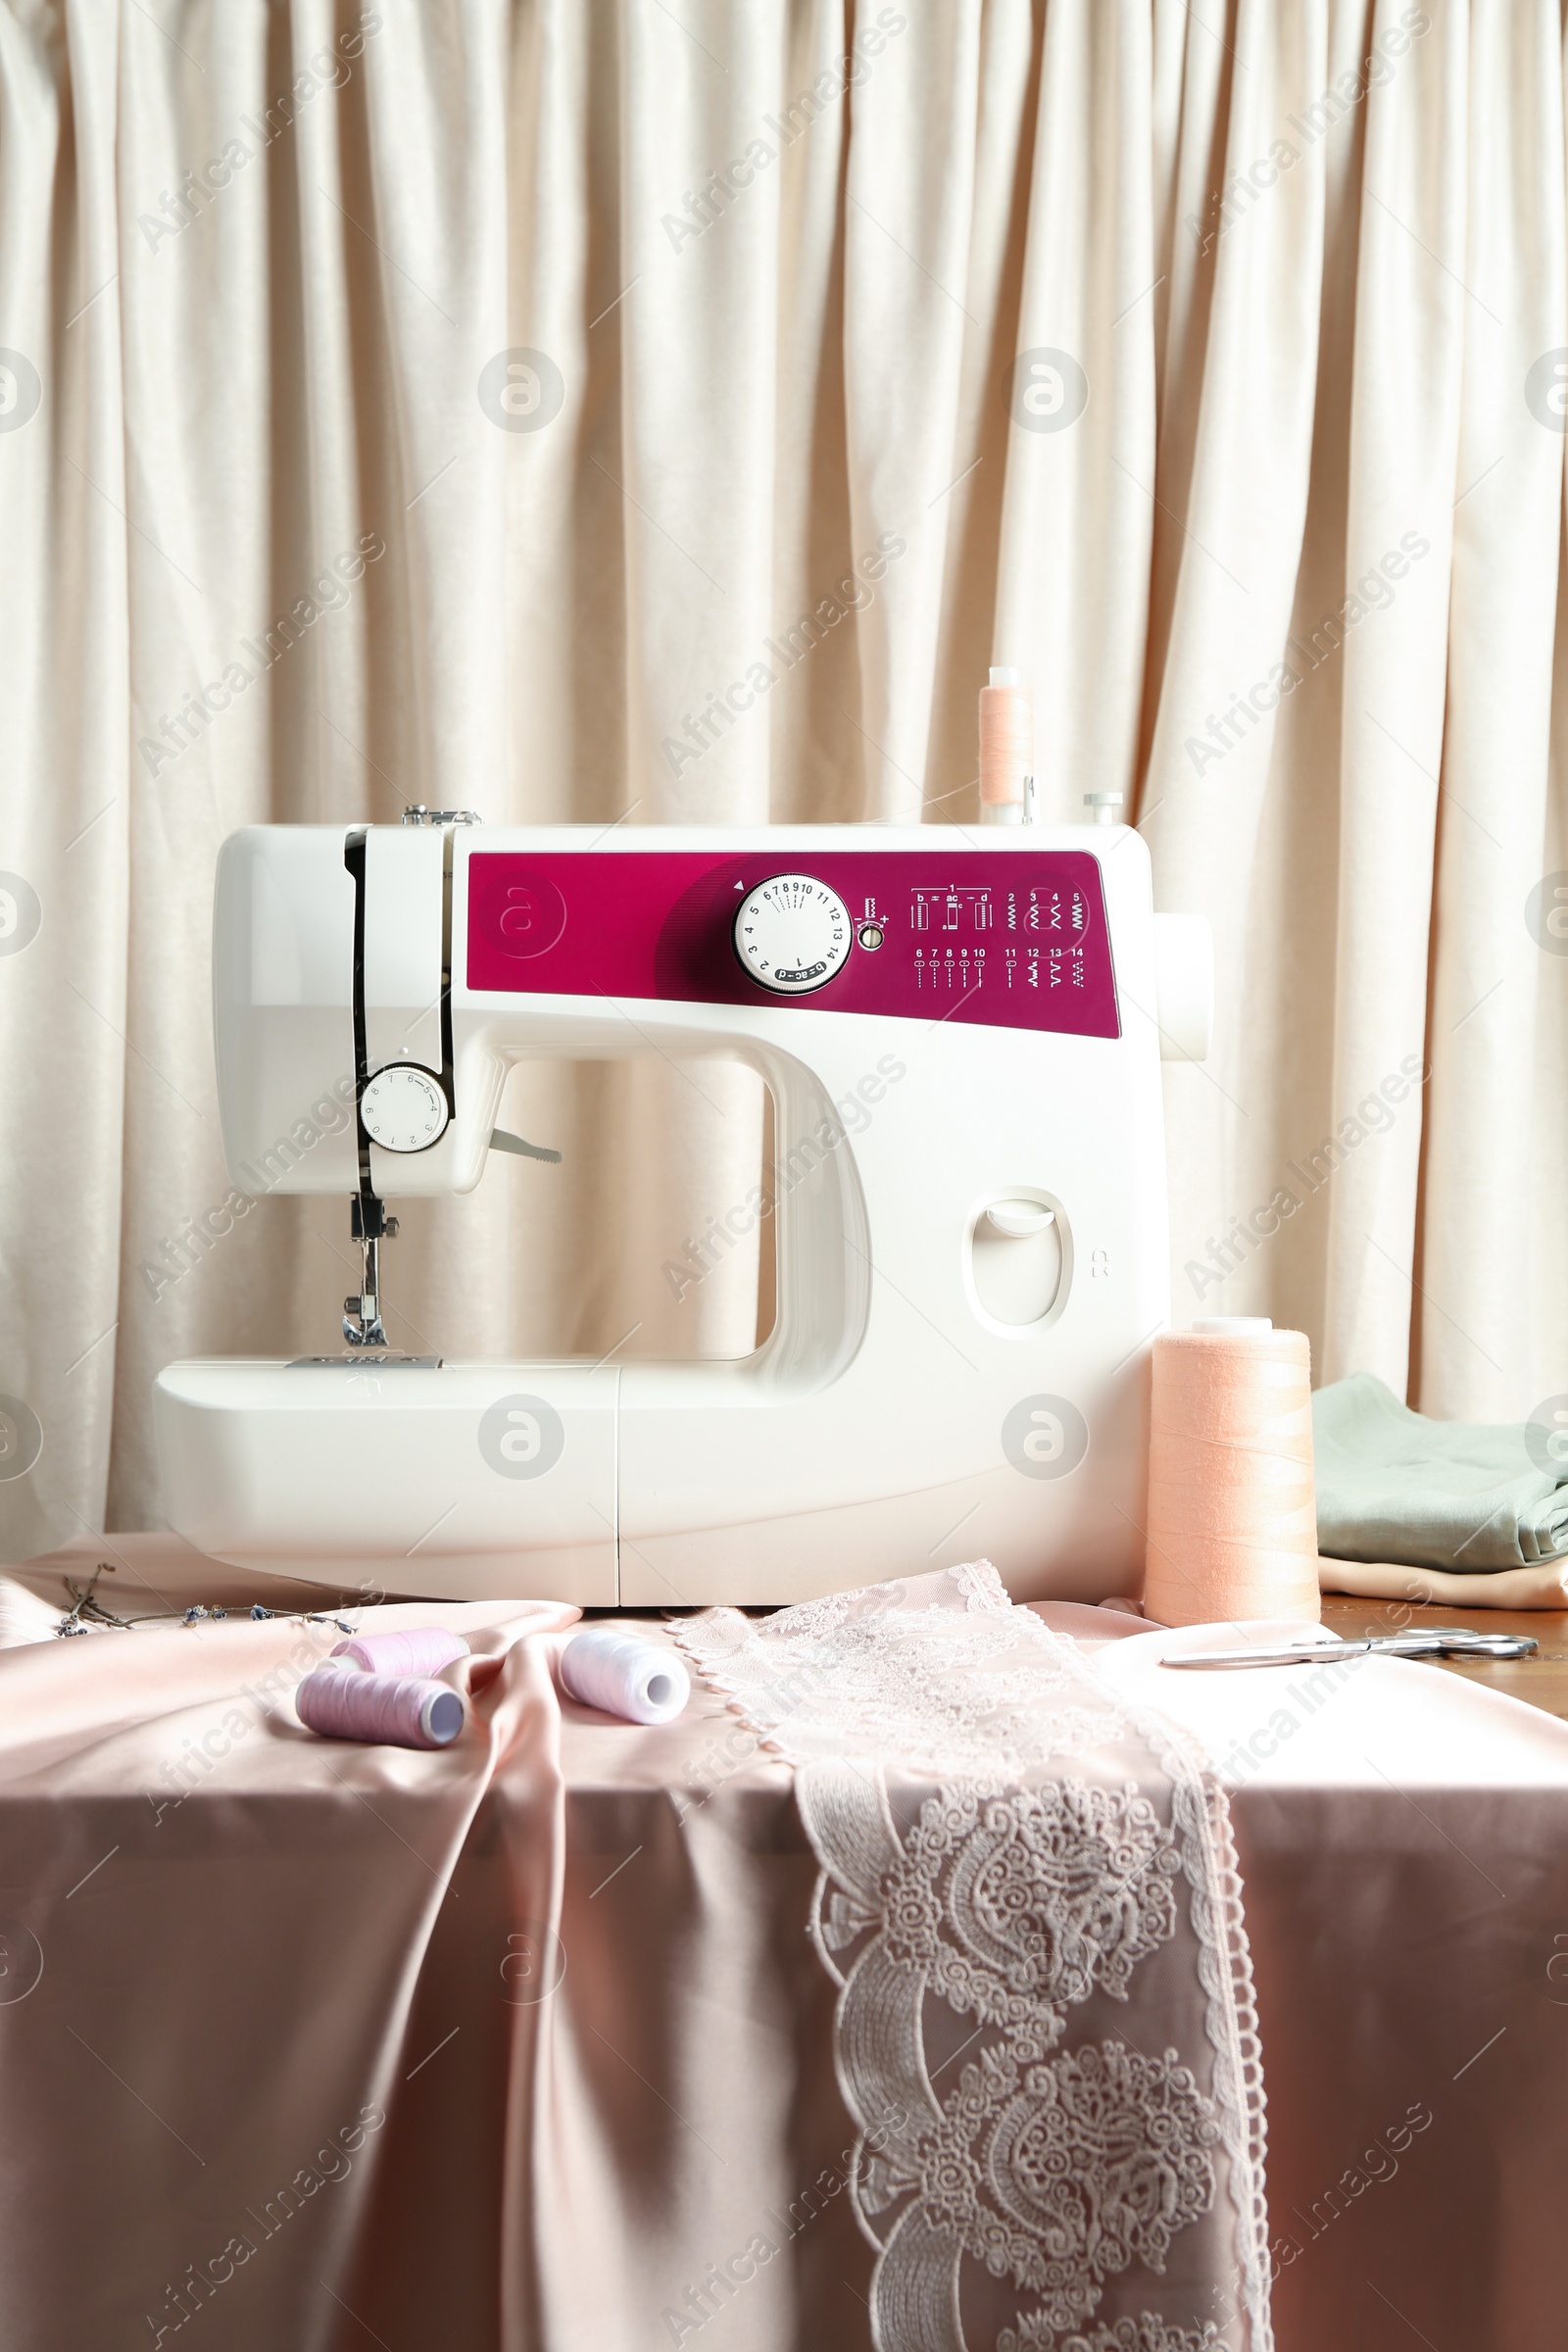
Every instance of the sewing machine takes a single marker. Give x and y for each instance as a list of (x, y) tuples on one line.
[(961, 1033)]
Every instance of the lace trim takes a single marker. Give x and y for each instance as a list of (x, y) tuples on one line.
[(1009, 1904), (941, 1672), (1201, 1808), (1148, 2332)]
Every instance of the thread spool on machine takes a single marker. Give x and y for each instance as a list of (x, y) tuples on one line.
[(1006, 749), (1007, 794)]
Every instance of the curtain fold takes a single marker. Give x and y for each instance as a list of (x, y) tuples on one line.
[(664, 413)]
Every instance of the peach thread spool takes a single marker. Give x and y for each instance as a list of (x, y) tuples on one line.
[(1006, 749), (1232, 1513)]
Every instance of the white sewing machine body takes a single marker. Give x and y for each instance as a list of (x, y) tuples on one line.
[(958, 1031)]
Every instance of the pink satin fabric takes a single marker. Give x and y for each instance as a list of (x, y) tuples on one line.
[(508, 2048), (250, 1937)]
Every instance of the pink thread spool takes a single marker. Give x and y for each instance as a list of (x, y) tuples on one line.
[(422, 1649), (1231, 1510), (380, 1708), (1006, 747)]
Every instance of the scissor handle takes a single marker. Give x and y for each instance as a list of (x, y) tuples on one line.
[(1463, 1643)]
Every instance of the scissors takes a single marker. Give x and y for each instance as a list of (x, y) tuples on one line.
[(1441, 1641)]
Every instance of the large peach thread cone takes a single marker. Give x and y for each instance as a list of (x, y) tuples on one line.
[(1232, 1517), (1007, 740)]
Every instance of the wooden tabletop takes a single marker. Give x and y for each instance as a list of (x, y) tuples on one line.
[(1541, 1681)]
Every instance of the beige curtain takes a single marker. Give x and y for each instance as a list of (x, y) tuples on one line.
[(543, 365)]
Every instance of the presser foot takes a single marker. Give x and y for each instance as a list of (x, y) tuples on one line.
[(361, 1310)]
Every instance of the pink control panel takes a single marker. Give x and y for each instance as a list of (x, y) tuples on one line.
[(1010, 939)]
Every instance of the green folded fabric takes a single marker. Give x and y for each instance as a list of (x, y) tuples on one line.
[(1394, 1485)]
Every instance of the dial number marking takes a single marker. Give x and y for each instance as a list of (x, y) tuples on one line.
[(792, 934), (404, 1108)]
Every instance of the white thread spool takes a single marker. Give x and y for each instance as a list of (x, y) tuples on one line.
[(617, 1672)]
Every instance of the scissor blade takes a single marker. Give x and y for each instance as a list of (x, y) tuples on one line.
[(1318, 1653), (1431, 1644)]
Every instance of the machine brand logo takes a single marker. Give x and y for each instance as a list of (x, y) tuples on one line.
[(1045, 1437), (531, 917), (522, 1437)]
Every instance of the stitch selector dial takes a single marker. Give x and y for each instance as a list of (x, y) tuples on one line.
[(404, 1108), (792, 934)]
